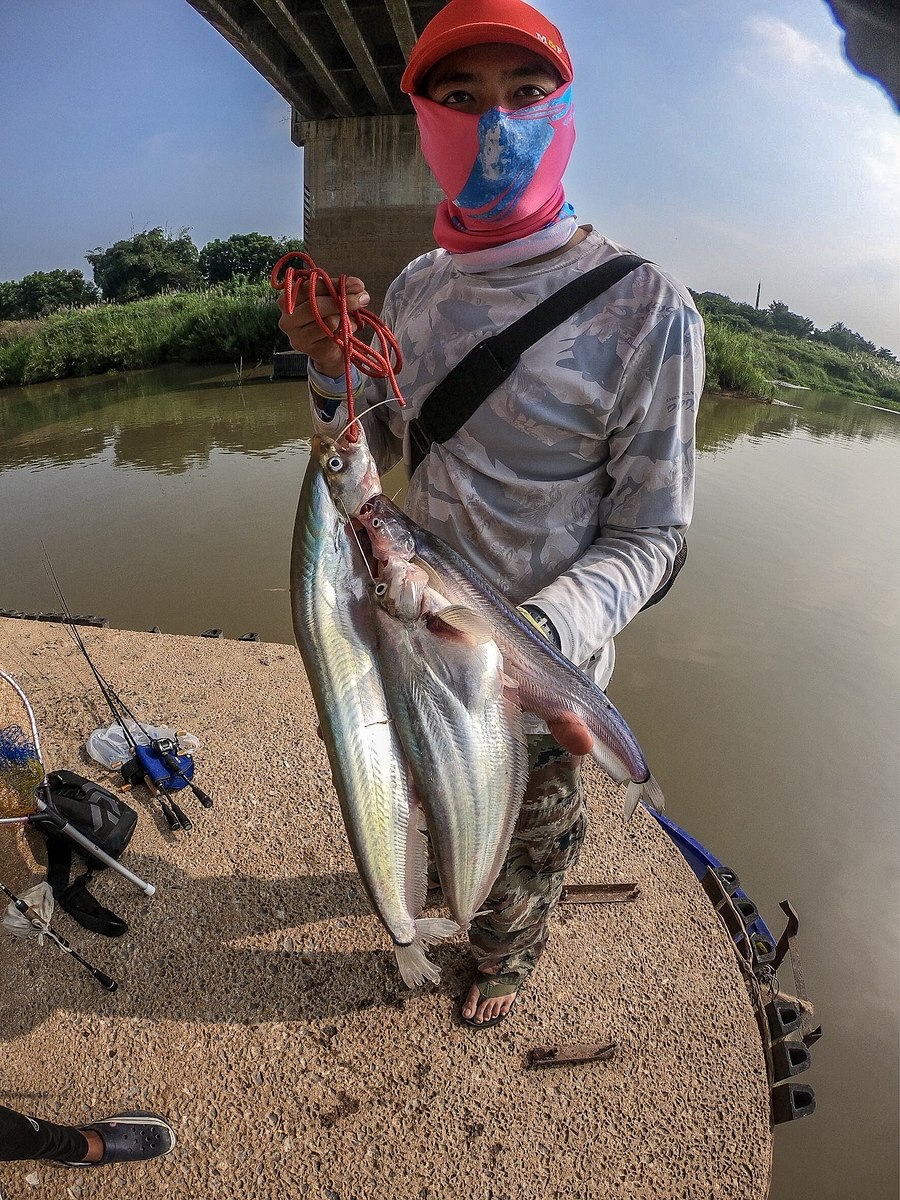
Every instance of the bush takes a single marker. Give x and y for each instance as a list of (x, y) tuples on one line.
[(731, 362), (219, 325)]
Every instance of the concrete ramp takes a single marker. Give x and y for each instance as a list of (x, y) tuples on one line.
[(259, 1006)]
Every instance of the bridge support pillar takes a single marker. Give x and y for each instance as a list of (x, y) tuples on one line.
[(368, 196)]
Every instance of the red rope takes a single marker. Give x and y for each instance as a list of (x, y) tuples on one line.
[(382, 363)]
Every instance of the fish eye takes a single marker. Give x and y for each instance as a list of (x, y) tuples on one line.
[(335, 464), (380, 589), (376, 522)]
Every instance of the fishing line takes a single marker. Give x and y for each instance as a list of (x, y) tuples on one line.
[(359, 544), (382, 363), (371, 408), (174, 815)]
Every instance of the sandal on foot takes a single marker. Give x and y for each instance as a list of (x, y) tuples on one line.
[(130, 1137), (489, 989)]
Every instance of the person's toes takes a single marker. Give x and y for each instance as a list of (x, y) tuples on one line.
[(491, 1009), (471, 1004), (501, 1006)]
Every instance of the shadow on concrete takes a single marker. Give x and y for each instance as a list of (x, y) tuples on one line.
[(217, 950)]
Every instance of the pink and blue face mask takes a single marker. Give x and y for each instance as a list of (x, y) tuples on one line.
[(501, 170)]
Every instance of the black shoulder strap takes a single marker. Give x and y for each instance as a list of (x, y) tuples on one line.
[(450, 404)]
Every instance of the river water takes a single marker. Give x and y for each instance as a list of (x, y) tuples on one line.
[(764, 690)]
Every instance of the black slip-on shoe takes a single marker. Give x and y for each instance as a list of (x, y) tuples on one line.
[(130, 1137)]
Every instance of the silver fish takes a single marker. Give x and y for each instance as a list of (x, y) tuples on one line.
[(333, 625), (548, 683), (463, 736)]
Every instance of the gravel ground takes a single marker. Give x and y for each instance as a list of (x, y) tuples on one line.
[(259, 1006)]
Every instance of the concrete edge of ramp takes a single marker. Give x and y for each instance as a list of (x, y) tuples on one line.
[(259, 1005)]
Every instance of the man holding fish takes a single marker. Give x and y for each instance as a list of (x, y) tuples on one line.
[(570, 488)]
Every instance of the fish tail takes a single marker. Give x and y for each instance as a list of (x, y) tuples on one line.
[(649, 791), (653, 795), (414, 965)]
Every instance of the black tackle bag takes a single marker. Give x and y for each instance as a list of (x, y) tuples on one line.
[(108, 822)]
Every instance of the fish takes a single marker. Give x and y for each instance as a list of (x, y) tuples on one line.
[(462, 733), (333, 617), (548, 684)]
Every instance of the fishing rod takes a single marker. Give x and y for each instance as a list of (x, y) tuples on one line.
[(25, 795), (175, 817), (42, 928)]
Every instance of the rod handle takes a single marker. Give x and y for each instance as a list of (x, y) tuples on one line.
[(77, 836), (183, 819), (104, 980), (201, 796)]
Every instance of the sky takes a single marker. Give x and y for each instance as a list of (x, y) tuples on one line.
[(727, 140)]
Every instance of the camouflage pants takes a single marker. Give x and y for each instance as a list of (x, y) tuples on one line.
[(547, 840)]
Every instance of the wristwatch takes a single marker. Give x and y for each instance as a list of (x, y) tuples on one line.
[(542, 623)]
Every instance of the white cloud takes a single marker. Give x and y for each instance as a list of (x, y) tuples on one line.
[(793, 49), (879, 154)]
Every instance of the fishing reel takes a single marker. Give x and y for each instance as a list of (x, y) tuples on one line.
[(164, 770), (161, 764)]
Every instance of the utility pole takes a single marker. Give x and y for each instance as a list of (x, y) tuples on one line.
[(758, 286)]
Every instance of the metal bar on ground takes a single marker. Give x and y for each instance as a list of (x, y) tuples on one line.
[(553, 1056), (599, 893)]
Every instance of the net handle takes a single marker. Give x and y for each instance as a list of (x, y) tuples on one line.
[(32, 722)]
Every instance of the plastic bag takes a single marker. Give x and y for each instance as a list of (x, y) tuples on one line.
[(40, 897), (110, 747)]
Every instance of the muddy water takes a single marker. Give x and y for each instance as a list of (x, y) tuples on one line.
[(764, 690)]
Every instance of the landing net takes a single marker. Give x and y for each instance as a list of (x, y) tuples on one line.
[(21, 768)]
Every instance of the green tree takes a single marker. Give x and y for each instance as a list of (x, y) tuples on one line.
[(845, 339), (9, 300), (44, 292), (791, 323), (145, 265), (248, 255), (733, 313)]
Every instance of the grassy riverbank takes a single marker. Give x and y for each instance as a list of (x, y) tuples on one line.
[(234, 323), (748, 360), (220, 325)]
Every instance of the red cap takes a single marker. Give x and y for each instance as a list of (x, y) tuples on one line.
[(464, 23)]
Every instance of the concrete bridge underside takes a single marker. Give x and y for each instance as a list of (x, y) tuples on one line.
[(368, 197)]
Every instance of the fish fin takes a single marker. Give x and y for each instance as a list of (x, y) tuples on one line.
[(632, 796), (510, 688), (653, 795), (649, 791), (465, 621), (435, 929), (416, 858), (434, 580), (607, 761), (414, 965)]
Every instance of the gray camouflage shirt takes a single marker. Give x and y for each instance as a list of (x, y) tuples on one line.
[(572, 484)]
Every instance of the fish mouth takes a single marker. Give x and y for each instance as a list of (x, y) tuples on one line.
[(359, 532)]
